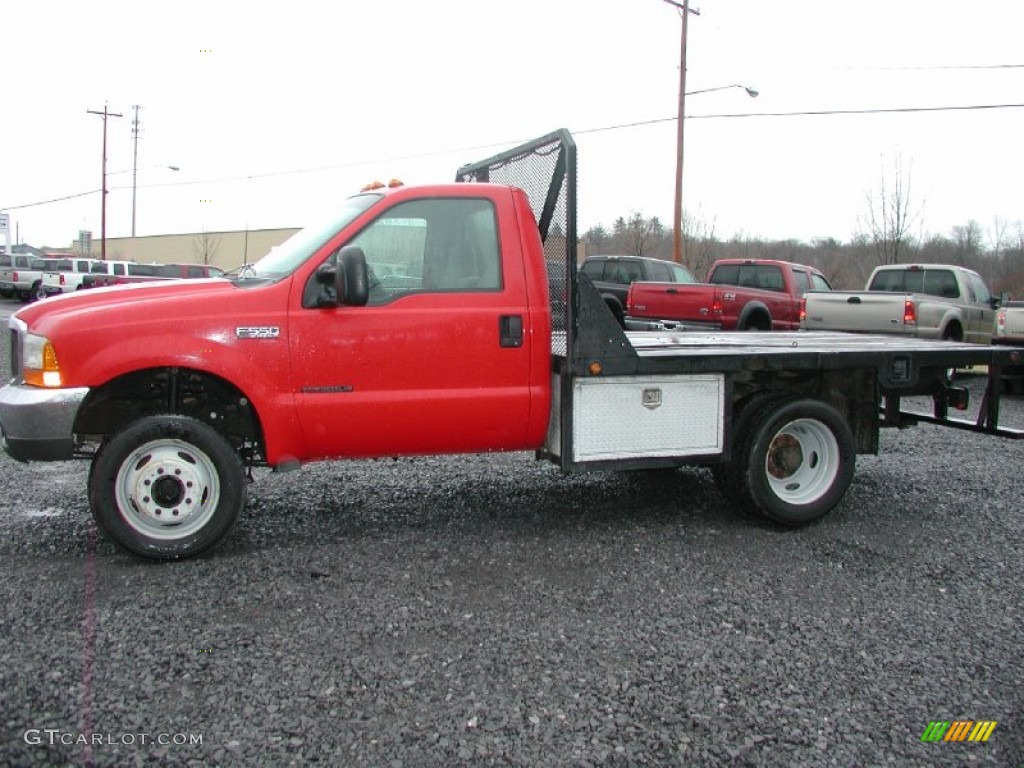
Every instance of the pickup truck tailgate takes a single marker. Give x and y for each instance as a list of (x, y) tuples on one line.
[(868, 311), (1014, 320)]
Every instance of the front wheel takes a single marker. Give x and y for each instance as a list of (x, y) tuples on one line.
[(801, 461), (167, 487)]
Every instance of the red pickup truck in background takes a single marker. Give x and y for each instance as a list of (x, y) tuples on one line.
[(739, 295)]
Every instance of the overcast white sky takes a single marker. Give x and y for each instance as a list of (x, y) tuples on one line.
[(274, 111)]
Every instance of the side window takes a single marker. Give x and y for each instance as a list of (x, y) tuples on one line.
[(941, 282), (982, 294), (594, 269), (195, 272), (802, 283), (659, 272), (119, 269), (432, 245), (680, 274), (819, 282)]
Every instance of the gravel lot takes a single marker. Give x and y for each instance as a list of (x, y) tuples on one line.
[(487, 610)]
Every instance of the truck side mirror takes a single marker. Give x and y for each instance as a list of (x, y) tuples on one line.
[(352, 280), (1002, 300)]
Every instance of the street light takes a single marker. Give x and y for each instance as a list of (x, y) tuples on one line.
[(134, 174), (751, 92)]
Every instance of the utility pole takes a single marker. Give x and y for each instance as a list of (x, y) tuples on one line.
[(135, 159), (677, 218), (103, 206)]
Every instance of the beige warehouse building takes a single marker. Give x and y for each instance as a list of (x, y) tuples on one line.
[(226, 250)]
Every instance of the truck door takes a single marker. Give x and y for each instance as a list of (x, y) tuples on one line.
[(439, 359), (980, 313)]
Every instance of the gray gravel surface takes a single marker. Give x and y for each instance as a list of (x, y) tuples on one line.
[(486, 610)]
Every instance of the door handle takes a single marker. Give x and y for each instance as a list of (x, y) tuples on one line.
[(510, 330)]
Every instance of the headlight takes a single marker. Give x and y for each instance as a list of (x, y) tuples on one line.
[(39, 362)]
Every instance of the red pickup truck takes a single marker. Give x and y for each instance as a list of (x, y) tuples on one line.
[(739, 295), (447, 318)]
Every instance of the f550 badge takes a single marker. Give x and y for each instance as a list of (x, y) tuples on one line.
[(257, 332)]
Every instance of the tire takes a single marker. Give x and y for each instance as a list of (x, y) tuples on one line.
[(197, 483), (800, 462), (730, 478), (38, 293), (756, 322)]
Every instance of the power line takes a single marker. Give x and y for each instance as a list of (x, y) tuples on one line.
[(53, 200), (804, 113), (929, 67)]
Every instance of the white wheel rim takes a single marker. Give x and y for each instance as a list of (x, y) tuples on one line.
[(802, 461), (167, 489)]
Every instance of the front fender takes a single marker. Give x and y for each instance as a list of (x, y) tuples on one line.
[(257, 367)]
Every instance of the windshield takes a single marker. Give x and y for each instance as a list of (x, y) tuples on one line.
[(284, 258)]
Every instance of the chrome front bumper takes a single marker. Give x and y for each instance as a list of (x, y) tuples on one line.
[(36, 424)]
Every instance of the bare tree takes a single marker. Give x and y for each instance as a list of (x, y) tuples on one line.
[(699, 244), (968, 241), (205, 247), (891, 215)]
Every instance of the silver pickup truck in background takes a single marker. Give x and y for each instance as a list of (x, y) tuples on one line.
[(21, 276), (930, 301), (1009, 330)]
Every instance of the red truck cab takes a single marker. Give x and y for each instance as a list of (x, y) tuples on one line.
[(450, 353)]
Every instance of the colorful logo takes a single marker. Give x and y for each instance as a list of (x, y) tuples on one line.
[(958, 730)]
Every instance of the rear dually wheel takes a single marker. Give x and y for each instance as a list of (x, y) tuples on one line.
[(800, 462)]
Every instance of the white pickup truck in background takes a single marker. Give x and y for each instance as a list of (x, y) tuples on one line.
[(930, 301), (72, 274)]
